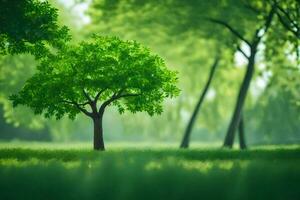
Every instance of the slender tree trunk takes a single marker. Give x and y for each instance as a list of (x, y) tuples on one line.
[(98, 134), (242, 141), (229, 139), (186, 138)]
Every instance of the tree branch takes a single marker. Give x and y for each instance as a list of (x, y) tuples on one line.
[(287, 15), (269, 18), (84, 104), (87, 96), (78, 106), (114, 97), (98, 94), (265, 26), (288, 27), (230, 28), (240, 50), (287, 22)]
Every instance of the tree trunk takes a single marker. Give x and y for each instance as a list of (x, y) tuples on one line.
[(242, 141), (229, 139), (98, 134), (186, 138)]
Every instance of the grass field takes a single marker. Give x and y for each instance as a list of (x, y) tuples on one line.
[(163, 172)]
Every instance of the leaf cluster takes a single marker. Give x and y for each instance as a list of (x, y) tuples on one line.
[(29, 26), (97, 73)]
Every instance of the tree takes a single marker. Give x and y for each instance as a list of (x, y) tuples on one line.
[(288, 13), (16, 69), (253, 46), (187, 134), (242, 141), (29, 26), (95, 74), (189, 52), (197, 19)]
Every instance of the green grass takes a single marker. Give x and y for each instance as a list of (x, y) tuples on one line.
[(163, 172)]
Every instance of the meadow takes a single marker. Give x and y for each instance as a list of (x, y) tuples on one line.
[(218, 72), (50, 171)]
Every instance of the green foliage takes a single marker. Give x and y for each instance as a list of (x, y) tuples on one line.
[(288, 16), (189, 45), (106, 68), (15, 70), (161, 173), (187, 22), (274, 117), (180, 33), (29, 26)]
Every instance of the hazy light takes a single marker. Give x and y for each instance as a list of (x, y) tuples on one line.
[(79, 10), (239, 58), (211, 94)]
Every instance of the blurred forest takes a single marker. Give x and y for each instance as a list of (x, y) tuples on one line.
[(181, 33)]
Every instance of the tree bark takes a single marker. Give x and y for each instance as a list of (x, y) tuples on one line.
[(186, 138), (98, 133), (242, 141), (229, 139)]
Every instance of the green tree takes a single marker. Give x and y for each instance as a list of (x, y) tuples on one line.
[(186, 51), (16, 69), (288, 13), (29, 26), (97, 74), (194, 17), (186, 23), (252, 44), (187, 134)]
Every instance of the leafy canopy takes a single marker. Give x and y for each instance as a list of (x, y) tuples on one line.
[(105, 69), (28, 26)]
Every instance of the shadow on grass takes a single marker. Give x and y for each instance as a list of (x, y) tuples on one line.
[(195, 154), (155, 174)]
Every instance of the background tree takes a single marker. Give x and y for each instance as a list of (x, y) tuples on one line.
[(253, 46), (16, 69), (29, 26), (187, 51), (187, 134), (192, 20), (190, 17), (106, 70), (288, 13), (187, 42)]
